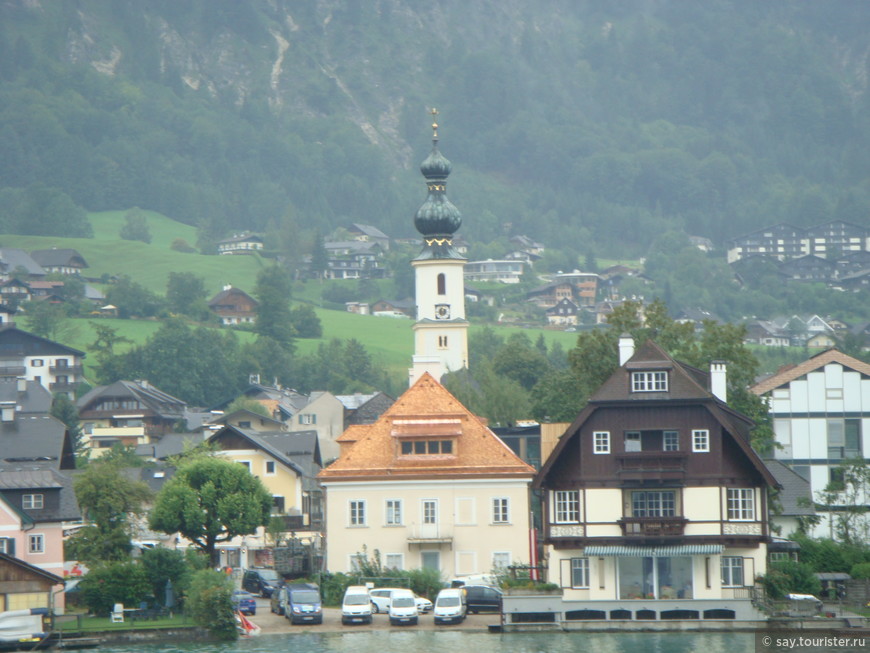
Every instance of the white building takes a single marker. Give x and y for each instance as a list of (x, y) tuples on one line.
[(821, 418)]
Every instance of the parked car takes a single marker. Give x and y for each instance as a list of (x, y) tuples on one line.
[(244, 602), (303, 605), (403, 608), (356, 607), (482, 598), (278, 600), (381, 600), (424, 605), (261, 581), (449, 606)]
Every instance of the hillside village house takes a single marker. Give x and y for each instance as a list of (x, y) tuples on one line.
[(502, 271), (57, 367), (62, 261), (234, 306), (655, 506), (427, 485), (244, 243), (785, 241), (130, 413), (821, 418)]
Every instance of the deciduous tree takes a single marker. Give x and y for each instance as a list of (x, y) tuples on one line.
[(209, 501)]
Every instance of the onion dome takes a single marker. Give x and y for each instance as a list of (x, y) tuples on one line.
[(437, 219)]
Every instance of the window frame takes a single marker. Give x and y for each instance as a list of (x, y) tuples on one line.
[(356, 516), (601, 442), (581, 566), (736, 501), (566, 503), (649, 381), (700, 441), (393, 514), (35, 543), (675, 440), (501, 510), (33, 501), (730, 569)]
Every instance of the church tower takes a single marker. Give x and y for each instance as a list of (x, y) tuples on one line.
[(441, 330)]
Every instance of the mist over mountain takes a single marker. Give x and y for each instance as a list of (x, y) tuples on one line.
[(591, 125)]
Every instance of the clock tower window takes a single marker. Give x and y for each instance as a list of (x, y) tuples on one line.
[(442, 284)]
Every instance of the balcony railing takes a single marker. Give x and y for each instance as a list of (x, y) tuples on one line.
[(69, 369), (12, 370), (653, 526), (64, 386), (648, 464)]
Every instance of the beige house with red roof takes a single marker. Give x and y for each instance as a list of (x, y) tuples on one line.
[(427, 485)]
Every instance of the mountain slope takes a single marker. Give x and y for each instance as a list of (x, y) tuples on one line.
[(592, 125)]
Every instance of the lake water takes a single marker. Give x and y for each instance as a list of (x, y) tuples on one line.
[(463, 642)]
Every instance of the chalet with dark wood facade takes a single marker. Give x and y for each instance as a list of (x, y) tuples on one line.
[(655, 504)]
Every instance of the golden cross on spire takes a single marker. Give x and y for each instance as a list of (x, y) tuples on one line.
[(434, 113)]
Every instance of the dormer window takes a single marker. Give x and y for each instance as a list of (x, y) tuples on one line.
[(426, 447), (649, 381)]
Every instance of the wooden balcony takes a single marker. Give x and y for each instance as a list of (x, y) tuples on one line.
[(70, 370), (652, 527), (652, 465)]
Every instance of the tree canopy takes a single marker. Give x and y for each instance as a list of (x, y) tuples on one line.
[(211, 500)]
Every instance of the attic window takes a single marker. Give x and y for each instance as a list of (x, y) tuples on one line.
[(649, 381), (426, 447)]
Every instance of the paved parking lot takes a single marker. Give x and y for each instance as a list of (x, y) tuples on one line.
[(273, 623)]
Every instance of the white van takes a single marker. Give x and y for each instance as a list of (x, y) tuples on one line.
[(356, 607), (403, 608), (449, 606)]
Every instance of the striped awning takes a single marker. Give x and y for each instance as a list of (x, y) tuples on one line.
[(654, 551)]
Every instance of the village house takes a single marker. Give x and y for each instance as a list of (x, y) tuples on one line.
[(234, 306), (287, 464), (428, 485), (57, 367), (60, 261), (565, 313), (369, 234), (501, 271), (655, 505), (821, 418), (244, 243), (129, 413), (17, 263)]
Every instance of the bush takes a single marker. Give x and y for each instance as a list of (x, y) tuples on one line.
[(861, 570), (162, 565), (181, 245), (210, 603), (117, 582), (790, 577)]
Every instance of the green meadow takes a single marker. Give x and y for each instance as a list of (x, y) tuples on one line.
[(389, 341)]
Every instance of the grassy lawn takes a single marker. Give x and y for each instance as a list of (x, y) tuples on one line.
[(74, 623)]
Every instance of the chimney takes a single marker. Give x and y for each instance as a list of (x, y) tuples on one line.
[(7, 411), (719, 380), (626, 348), (22, 384)]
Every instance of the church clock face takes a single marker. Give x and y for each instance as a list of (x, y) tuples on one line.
[(442, 312)]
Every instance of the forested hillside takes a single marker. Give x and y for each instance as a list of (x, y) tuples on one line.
[(591, 125)]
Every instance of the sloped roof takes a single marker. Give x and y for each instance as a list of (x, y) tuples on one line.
[(16, 342), (685, 384), (43, 479), (11, 258), (35, 440), (293, 449), (810, 365), (793, 488), (58, 257), (151, 398), (426, 409), (369, 230), (170, 444), (222, 296), (11, 561)]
